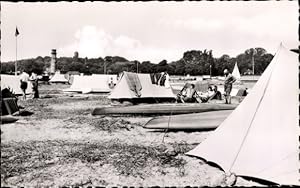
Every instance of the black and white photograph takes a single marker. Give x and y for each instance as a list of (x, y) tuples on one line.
[(143, 94)]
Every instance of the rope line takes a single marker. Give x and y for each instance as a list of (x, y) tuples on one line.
[(168, 125)]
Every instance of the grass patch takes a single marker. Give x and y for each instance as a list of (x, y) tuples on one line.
[(42, 107), (129, 160), (103, 124)]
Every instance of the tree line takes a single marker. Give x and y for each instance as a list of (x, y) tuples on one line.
[(194, 62)]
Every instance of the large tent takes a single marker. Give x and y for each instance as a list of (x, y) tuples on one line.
[(58, 78), (13, 82), (96, 83), (144, 87), (260, 137)]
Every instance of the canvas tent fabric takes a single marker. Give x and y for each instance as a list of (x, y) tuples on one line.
[(13, 82), (236, 72), (94, 83), (149, 90), (260, 137), (58, 78)]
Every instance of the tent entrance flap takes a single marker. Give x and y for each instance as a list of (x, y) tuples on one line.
[(134, 83)]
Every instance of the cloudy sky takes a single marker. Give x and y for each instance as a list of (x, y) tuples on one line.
[(146, 30)]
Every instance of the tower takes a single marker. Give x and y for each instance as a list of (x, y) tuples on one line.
[(76, 55), (53, 61)]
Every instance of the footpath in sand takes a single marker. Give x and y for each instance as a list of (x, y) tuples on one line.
[(62, 144)]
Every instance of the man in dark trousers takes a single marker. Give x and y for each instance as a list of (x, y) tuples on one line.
[(229, 80), (34, 80)]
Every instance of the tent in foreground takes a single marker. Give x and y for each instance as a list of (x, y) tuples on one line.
[(58, 78), (260, 137), (13, 82), (96, 83), (141, 87)]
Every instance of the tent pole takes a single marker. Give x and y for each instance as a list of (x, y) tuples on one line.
[(16, 66)]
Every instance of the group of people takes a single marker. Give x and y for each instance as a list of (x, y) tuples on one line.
[(24, 79), (189, 94)]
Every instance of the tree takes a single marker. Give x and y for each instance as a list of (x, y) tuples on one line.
[(34, 66), (147, 67), (7, 68), (194, 62)]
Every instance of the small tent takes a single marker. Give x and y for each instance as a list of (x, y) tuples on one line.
[(140, 86), (260, 137), (58, 78), (96, 83), (13, 82), (236, 72)]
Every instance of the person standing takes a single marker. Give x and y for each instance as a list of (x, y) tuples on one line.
[(229, 80), (24, 77), (34, 80)]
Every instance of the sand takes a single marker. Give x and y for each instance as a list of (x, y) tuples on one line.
[(62, 144)]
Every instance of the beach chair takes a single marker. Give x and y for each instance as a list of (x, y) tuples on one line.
[(9, 106)]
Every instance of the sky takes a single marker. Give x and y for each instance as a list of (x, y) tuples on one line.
[(145, 31)]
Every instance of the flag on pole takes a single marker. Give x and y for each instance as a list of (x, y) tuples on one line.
[(17, 32)]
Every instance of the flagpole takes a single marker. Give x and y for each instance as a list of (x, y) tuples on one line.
[(16, 66)]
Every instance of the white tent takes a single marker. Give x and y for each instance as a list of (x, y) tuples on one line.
[(13, 82), (93, 84), (236, 72), (147, 88), (260, 137), (58, 78)]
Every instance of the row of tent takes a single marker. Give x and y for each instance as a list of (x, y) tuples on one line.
[(106, 83), (84, 84), (126, 88), (119, 89)]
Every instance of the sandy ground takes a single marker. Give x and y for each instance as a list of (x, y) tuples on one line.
[(62, 144)]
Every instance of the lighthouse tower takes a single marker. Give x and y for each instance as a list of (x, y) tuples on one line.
[(53, 61)]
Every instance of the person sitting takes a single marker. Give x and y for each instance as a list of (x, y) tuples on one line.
[(205, 96), (188, 94), (245, 92), (217, 94)]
